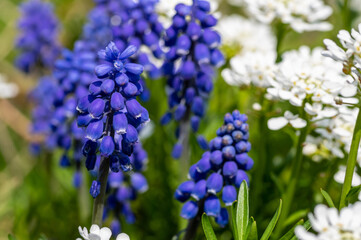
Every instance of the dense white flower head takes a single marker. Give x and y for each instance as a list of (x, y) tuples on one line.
[(349, 54), (254, 61), (97, 233), (7, 90), (301, 15), (330, 224), (305, 74)]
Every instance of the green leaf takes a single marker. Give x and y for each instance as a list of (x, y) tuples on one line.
[(11, 237), (352, 195), (278, 183), (295, 217), (328, 198), (267, 233), (306, 225), (233, 210), (207, 228), (291, 233), (253, 235), (242, 211)]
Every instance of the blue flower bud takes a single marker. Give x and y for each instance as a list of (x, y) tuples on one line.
[(229, 194), (249, 164), (199, 190), (202, 142), (203, 165), (131, 136), (203, 5), (123, 193), (107, 86), (134, 68), (227, 140), (229, 152), (214, 183), (90, 161), (124, 162), (189, 95), (77, 179), (189, 210), (211, 38), (129, 51), (216, 158), (243, 147), (179, 22), (230, 169), (183, 45), (179, 112), (114, 163), (103, 70), (209, 21), (115, 179), (166, 118), (217, 58), (182, 9), (83, 120), (194, 30), (237, 136), (95, 189), (107, 146), (212, 206), (134, 108), (195, 123), (188, 70), (222, 218), (120, 123), (64, 161), (130, 90), (139, 182), (216, 143), (201, 53), (184, 191), (122, 79), (117, 101), (198, 106), (89, 147), (94, 131), (240, 177), (177, 151), (96, 108), (115, 227)]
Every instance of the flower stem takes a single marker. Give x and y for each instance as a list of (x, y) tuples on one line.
[(194, 222), (351, 161), (98, 207), (184, 139), (280, 34), (292, 183)]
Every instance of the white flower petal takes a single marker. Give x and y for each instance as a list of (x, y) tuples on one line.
[(123, 236), (298, 123), (105, 233), (277, 123)]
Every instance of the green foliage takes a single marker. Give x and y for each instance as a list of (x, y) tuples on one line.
[(272, 224), (242, 213), (207, 228), (328, 198)]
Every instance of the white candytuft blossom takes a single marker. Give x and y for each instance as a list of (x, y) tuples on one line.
[(330, 224), (288, 118), (301, 15), (305, 74), (254, 62), (97, 233), (7, 90)]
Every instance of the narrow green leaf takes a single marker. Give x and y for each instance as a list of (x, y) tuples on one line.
[(242, 211), (267, 233), (307, 226), (253, 235), (233, 210), (278, 183), (352, 195), (250, 222), (328, 198), (291, 233), (207, 228), (295, 217), (11, 237)]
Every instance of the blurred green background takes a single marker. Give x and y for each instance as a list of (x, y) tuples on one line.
[(37, 197)]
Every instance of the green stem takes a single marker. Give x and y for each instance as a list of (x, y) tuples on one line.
[(280, 34), (185, 157), (351, 161), (98, 207), (292, 183), (346, 15)]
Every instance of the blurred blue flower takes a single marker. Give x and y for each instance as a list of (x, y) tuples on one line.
[(189, 64), (37, 42), (216, 177)]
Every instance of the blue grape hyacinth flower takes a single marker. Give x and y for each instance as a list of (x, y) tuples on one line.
[(37, 42), (189, 66), (215, 178), (110, 114)]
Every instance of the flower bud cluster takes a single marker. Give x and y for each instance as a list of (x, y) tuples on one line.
[(219, 172)]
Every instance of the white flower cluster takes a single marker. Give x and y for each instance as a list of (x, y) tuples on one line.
[(254, 61), (7, 90), (305, 75), (349, 55), (329, 224), (97, 233), (301, 15)]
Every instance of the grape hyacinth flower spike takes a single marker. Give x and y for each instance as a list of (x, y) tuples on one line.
[(112, 117), (189, 68), (216, 177)]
